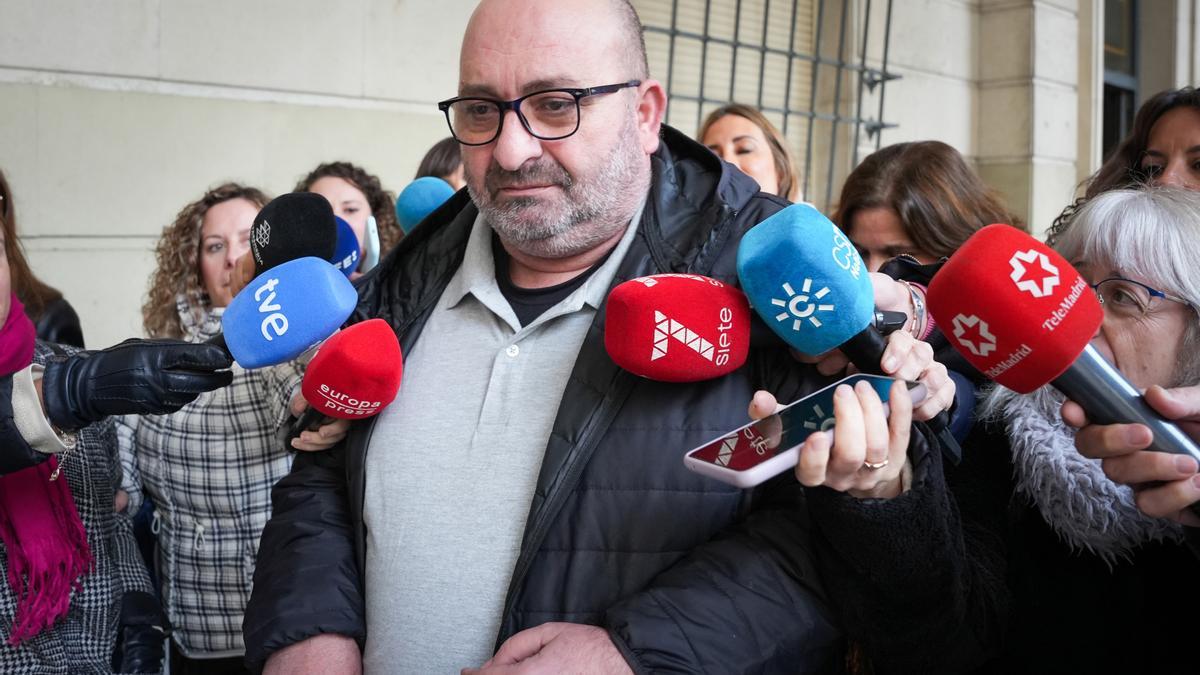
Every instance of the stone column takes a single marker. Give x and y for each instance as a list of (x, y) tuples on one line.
[(1028, 104)]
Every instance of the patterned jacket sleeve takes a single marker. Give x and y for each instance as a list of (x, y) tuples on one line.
[(280, 384)]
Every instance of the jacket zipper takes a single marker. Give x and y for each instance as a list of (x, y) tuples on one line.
[(622, 386), (549, 511)]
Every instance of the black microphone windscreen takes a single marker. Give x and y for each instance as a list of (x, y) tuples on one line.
[(291, 226)]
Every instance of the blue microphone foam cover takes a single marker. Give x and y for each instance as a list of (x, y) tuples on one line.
[(345, 254), (286, 310), (805, 279), (419, 199)]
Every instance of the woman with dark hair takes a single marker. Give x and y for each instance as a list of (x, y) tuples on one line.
[(208, 468), (444, 160), (53, 317), (743, 136), (920, 199), (359, 199), (1163, 148), (74, 596), (913, 204)]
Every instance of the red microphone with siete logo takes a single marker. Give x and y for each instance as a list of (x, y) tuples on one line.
[(1023, 316), (677, 327), (354, 375)]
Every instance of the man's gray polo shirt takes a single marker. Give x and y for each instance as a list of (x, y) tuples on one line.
[(453, 462)]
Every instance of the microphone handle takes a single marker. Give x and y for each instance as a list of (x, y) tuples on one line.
[(1109, 398), (219, 341), (865, 351)]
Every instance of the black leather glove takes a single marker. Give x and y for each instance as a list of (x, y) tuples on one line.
[(141, 641), (136, 377)]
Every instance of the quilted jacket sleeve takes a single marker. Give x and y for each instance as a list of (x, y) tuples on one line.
[(749, 600), (306, 581), (919, 581)]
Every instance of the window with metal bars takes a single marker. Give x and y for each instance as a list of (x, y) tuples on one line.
[(809, 65)]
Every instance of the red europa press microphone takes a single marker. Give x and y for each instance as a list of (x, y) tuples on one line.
[(355, 374), (1022, 315), (677, 327)]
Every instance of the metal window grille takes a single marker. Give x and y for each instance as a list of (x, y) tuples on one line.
[(795, 60)]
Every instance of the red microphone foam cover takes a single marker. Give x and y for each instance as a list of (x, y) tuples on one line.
[(1016, 309), (355, 373), (677, 327)]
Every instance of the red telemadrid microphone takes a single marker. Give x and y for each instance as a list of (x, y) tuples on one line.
[(677, 327), (354, 375), (1022, 315)]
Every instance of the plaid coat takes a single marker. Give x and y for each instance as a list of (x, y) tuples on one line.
[(83, 640), (209, 469)]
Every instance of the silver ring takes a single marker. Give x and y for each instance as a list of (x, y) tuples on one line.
[(872, 466)]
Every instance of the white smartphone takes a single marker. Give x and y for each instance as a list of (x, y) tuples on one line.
[(371, 250), (764, 449)]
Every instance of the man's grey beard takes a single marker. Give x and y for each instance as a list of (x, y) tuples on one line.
[(588, 213)]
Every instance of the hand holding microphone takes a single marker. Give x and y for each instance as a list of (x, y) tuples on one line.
[(808, 283), (1165, 485), (354, 375), (1035, 329), (138, 377), (893, 309)]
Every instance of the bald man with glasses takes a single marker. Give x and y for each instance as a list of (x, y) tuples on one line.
[(523, 506)]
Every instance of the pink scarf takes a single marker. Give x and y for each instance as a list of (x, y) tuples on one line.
[(39, 524), (16, 339)]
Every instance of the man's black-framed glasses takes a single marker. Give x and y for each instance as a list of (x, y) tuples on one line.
[(550, 114)]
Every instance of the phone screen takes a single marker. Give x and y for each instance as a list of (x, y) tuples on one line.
[(758, 442)]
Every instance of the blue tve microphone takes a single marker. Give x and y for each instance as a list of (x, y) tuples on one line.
[(419, 199), (286, 310), (345, 253), (808, 283)]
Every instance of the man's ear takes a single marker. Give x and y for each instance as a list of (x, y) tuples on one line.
[(651, 107)]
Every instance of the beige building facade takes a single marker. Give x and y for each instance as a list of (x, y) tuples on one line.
[(114, 115)]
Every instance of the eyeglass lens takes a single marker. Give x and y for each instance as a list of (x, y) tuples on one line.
[(548, 116), (1126, 298)]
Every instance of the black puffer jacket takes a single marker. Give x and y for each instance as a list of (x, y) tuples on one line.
[(687, 574), (963, 574)]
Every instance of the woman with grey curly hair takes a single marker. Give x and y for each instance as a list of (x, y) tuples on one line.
[(1025, 557), (209, 468)]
